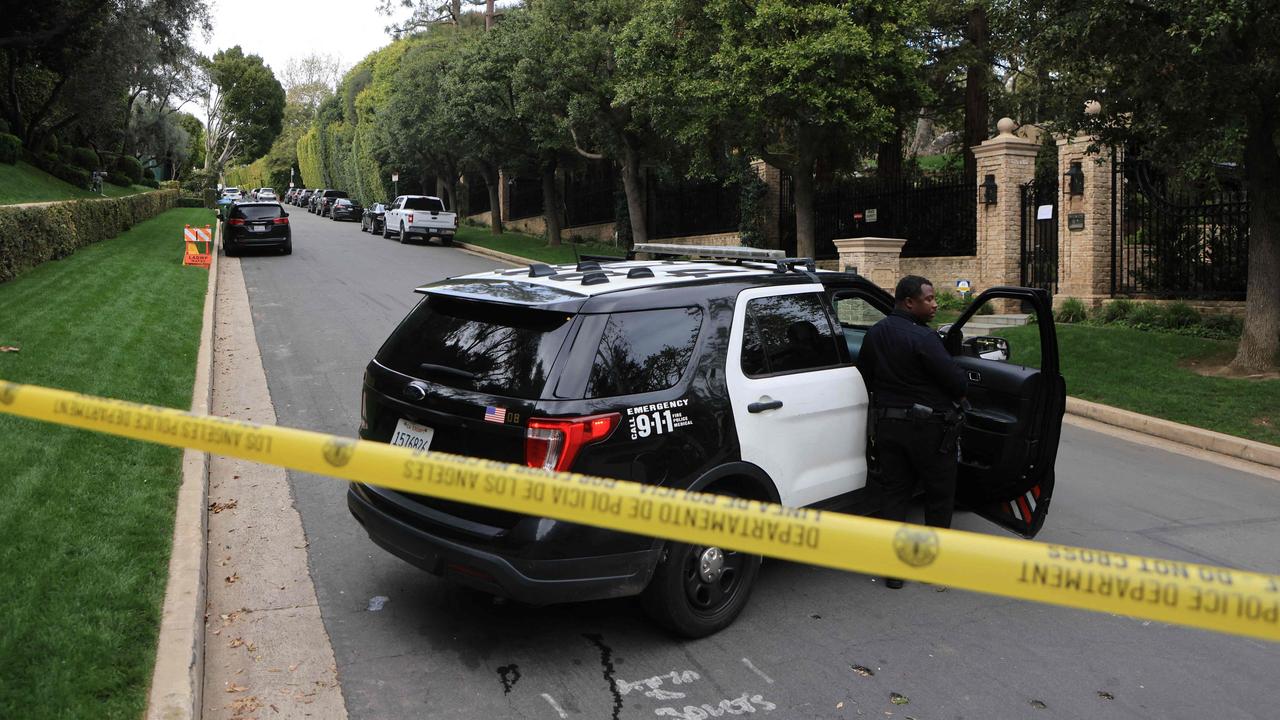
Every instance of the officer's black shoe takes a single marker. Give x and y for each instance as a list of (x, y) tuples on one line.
[(893, 583)]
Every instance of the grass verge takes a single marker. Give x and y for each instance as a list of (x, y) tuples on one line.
[(88, 518), (1151, 373), (23, 183), (531, 246)]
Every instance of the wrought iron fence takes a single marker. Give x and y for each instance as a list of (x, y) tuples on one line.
[(524, 197), (1039, 241), (936, 215), (590, 195), (1171, 237), (692, 207)]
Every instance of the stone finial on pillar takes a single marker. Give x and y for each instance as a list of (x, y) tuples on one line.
[(1010, 161)]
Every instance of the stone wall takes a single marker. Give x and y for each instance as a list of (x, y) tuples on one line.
[(943, 271), (600, 232)]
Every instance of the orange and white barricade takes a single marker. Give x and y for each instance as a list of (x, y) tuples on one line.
[(193, 238)]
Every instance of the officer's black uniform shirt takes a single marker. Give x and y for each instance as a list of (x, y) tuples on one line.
[(903, 362)]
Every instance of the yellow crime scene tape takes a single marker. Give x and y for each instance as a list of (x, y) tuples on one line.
[(1202, 596)]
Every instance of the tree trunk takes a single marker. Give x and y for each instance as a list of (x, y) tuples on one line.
[(978, 36), (633, 187), (551, 202), (889, 158), (804, 190), (491, 179), (1259, 349)]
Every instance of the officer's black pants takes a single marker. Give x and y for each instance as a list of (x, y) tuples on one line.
[(909, 458)]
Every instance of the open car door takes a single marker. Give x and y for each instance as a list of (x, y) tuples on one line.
[(1009, 441)]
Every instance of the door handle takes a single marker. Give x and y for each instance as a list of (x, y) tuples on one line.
[(974, 376), (759, 407)]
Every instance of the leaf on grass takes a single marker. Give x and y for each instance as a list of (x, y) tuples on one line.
[(10, 348)]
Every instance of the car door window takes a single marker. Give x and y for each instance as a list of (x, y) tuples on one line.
[(787, 333), (643, 351), (856, 316)]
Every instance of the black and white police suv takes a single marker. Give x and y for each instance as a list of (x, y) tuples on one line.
[(736, 375)]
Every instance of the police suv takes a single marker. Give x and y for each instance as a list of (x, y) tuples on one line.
[(736, 374)]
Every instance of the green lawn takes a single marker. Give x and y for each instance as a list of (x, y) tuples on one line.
[(1148, 372), (23, 183), (88, 518), (530, 246)]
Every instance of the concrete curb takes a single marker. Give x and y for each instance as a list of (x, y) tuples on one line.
[(1217, 442), (178, 679), (505, 257)]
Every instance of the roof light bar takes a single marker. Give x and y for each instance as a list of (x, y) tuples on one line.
[(709, 251)]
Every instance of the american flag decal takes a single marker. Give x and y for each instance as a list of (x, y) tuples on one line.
[(495, 414)]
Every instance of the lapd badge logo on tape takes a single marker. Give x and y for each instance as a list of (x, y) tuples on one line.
[(8, 391), (338, 452), (916, 547)]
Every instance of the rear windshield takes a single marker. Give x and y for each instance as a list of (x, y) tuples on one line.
[(496, 349), (423, 203), (257, 212), (335, 193), (342, 201)]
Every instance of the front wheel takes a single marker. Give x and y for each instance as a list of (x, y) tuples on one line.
[(404, 236), (698, 590)]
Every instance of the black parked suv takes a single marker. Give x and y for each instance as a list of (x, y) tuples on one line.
[(324, 202), (345, 209), (737, 376), (262, 225), (374, 218)]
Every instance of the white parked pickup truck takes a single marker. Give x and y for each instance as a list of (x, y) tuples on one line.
[(422, 216)]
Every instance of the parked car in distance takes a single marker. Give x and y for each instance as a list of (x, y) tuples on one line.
[(421, 216), (232, 193), (266, 195), (288, 196), (258, 225), (373, 218), (345, 209), (304, 197), (314, 202), (325, 203)]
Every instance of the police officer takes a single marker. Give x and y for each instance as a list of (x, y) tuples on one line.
[(917, 390)]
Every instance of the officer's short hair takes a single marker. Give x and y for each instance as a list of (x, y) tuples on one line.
[(909, 287)]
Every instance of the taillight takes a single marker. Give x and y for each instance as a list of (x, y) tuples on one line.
[(236, 221), (281, 221), (410, 217), (553, 444)]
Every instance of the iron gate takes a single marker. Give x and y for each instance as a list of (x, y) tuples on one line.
[(1040, 234), (1173, 237)]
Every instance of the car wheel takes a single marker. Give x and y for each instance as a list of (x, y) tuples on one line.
[(404, 236), (230, 249), (287, 249), (446, 241), (698, 590), (385, 234)]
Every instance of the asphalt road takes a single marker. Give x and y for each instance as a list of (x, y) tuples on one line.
[(436, 651)]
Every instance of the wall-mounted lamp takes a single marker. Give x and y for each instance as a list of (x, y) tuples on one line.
[(1075, 179), (989, 190)]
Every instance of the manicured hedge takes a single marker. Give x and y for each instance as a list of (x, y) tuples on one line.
[(30, 236), (10, 148)]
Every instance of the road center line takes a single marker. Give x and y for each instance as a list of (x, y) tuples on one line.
[(555, 705), (756, 670)]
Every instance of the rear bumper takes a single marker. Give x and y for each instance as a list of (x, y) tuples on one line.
[(250, 241), (540, 582), (429, 231)]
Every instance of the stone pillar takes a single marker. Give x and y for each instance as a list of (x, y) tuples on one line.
[(772, 178), (874, 258), (1084, 253), (1012, 161)]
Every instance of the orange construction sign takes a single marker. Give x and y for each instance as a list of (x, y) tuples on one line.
[(193, 237)]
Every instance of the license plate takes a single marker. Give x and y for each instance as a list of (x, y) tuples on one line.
[(257, 228), (412, 435)]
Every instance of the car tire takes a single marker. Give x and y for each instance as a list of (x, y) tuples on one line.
[(287, 249), (680, 599), (446, 241), (230, 249), (404, 236), (385, 234)]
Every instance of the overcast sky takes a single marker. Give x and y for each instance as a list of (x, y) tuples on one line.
[(280, 30)]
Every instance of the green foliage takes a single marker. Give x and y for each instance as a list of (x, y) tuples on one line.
[(1179, 315), (84, 158), (252, 100), (1071, 311), (752, 208), (1144, 315), (128, 166), (1228, 326), (30, 236), (116, 178), (948, 300), (10, 148), (78, 177), (1114, 311), (149, 181)]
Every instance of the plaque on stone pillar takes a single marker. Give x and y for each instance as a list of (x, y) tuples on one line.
[(1075, 221)]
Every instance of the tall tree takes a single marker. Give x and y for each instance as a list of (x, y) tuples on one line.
[(310, 79), (244, 105), (1193, 80)]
